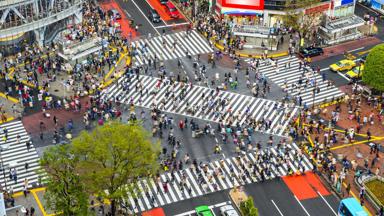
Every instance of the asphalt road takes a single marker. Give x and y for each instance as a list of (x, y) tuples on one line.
[(138, 11), (272, 198), (339, 80)]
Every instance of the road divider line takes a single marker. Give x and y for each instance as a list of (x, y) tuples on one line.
[(305, 210), (326, 202), (277, 208), (324, 69)]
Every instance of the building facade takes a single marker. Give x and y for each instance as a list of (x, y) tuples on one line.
[(268, 13), (378, 5), (35, 20)]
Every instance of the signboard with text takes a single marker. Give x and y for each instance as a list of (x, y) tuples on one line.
[(317, 9), (243, 4)]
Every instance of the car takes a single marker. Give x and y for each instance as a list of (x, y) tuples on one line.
[(114, 13), (311, 52), (172, 10), (228, 210), (163, 2), (154, 16), (342, 65), (203, 211), (356, 72)]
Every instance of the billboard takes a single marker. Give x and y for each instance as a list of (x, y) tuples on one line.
[(243, 4)]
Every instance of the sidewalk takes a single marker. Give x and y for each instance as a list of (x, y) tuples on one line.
[(346, 46), (32, 200)]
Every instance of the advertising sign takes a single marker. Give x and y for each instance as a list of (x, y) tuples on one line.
[(244, 4), (344, 2)]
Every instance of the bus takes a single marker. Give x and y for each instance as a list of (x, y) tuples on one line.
[(351, 207)]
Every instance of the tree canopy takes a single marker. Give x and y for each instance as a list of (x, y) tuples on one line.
[(64, 191), (247, 207), (109, 159), (374, 68), (296, 17)]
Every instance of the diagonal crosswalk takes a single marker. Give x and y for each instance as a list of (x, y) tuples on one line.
[(289, 76), (201, 102), (218, 175), (14, 156), (169, 46)]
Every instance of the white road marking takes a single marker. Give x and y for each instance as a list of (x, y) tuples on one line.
[(176, 24), (129, 15), (342, 75), (326, 202), (360, 48), (277, 207), (324, 69), (133, 1), (305, 210)]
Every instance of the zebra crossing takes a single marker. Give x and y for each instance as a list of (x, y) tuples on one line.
[(192, 105), (169, 46), (15, 153), (218, 175), (288, 76)]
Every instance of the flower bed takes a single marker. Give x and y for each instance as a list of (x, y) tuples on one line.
[(376, 187)]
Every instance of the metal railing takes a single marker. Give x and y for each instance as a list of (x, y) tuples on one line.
[(251, 29)]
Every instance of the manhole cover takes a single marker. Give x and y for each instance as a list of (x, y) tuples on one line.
[(56, 90)]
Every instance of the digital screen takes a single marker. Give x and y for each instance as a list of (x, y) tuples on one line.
[(244, 4)]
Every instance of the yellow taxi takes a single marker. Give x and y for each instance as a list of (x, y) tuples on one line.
[(342, 65), (354, 73)]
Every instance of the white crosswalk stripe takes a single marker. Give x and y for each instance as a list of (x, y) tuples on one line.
[(211, 108), (163, 47), (222, 174), (15, 155), (289, 75)]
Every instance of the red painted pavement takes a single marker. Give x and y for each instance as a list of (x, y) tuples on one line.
[(305, 186), (124, 21)]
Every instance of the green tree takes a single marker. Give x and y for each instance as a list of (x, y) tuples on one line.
[(113, 157), (64, 191), (300, 21), (248, 208), (374, 68)]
